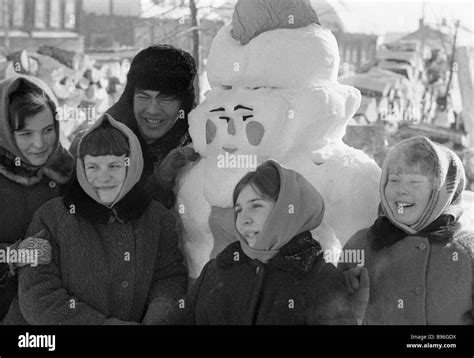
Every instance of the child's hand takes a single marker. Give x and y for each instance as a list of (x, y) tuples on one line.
[(42, 255), (37, 242), (357, 280)]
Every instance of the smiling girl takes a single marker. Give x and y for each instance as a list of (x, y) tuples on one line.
[(274, 273), (419, 258), (34, 167), (115, 256)]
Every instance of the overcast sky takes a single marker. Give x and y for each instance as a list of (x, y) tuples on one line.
[(402, 16)]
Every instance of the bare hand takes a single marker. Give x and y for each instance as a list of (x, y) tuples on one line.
[(357, 281)]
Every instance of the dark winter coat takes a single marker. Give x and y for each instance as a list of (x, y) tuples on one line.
[(23, 189), (296, 287), (108, 263)]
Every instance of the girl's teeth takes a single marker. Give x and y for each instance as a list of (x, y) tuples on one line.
[(401, 206)]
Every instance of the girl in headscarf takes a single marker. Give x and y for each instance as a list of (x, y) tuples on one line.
[(274, 272), (420, 260), (34, 168)]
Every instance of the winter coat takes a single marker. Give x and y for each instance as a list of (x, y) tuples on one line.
[(422, 279), (296, 287), (108, 263), (23, 188)]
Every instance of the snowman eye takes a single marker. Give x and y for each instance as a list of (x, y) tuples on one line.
[(226, 118), (244, 118)]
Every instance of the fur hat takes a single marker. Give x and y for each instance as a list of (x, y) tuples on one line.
[(166, 69)]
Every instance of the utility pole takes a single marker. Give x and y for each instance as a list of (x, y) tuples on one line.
[(452, 60), (422, 24), (6, 24), (196, 52)]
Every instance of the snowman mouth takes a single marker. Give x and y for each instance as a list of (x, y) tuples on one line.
[(229, 150)]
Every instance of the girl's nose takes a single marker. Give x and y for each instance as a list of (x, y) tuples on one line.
[(402, 189), (38, 141), (246, 219), (104, 176)]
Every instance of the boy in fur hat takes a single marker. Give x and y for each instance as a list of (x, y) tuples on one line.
[(155, 104), (419, 259)]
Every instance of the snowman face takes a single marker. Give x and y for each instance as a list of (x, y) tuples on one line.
[(237, 121)]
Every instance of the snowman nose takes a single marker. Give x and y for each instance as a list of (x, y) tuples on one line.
[(231, 127)]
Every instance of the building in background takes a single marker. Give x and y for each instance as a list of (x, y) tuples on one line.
[(29, 24)]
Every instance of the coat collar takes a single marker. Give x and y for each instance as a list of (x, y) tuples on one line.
[(384, 233), (60, 169), (129, 208), (298, 256)]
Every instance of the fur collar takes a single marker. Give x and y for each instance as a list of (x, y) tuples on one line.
[(130, 208), (385, 234), (298, 256), (60, 170)]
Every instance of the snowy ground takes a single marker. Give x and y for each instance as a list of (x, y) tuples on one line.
[(467, 217)]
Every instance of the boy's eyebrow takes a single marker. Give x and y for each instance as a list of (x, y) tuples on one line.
[(220, 109), (242, 107)]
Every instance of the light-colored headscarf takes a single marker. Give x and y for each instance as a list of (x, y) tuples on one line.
[(134, 170), (448, 180)]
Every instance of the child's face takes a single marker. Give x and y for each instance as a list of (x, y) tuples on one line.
[(252, 210), (106, 174), (36, 141), (407, 195)]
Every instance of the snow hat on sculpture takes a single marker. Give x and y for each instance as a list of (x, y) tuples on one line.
[(273, 43)]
